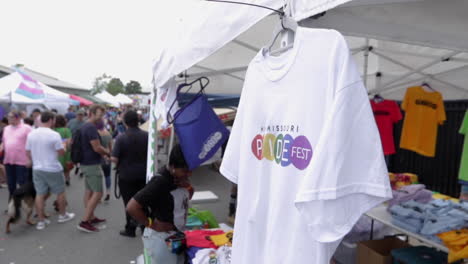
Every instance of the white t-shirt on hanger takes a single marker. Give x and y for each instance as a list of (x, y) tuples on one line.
[(305, 152)]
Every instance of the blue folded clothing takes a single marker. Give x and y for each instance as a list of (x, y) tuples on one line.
[(433, 226), (403, 224), (405, 212)]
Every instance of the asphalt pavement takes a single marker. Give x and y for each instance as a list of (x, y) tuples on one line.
[(64, 243)]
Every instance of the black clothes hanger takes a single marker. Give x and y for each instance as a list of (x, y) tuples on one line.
[(202, 81), (377, 98), (428, 86)]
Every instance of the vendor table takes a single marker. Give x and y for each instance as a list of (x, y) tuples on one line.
[(381, 214)]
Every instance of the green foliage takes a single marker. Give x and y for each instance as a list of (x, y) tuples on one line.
[(132, 87), (115, 86), (100, 84)]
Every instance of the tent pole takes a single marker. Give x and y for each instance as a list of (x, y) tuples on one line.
[(411, 70), (403, 85), (366, 62)]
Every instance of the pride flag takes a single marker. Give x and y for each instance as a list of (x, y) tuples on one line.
[(30, 88)]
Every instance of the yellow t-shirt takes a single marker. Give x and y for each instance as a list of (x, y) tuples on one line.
[(424, 111)]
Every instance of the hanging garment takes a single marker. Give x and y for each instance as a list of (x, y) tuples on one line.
[(463, 173), (386, 114), (424, 112), (305, 153)]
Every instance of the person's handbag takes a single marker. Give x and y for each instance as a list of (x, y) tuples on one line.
[(200, 131)]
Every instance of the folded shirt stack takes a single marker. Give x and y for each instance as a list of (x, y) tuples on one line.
[(416, 192), (430, 219), (457, 243)]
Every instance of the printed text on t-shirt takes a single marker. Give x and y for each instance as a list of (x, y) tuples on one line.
[(283, 149)]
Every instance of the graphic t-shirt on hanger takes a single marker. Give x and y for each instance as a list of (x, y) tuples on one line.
[(305, 152), (424, 111), (463, 173), (386, 113)]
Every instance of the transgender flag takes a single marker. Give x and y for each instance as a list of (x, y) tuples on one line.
[(30, 88)]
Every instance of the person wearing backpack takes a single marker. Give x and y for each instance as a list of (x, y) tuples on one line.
[(92, 153), (129, 153)]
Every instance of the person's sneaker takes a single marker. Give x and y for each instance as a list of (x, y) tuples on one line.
[(97, 221), (65, 217), (127, 233), (42, 224), (107, 198), (67, 182), (77, 169), (87, 227)]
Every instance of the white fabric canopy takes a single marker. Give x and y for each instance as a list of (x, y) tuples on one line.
[(108, 98), (404, 40), (9, 87), (123, 99)]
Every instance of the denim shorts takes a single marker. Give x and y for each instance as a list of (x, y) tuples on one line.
[(45, 181)]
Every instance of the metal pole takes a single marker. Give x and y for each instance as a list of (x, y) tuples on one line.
[(366, 62)]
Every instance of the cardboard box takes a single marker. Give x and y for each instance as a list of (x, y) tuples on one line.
[(378, 251)]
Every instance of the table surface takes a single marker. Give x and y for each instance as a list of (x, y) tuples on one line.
[(381, 214)]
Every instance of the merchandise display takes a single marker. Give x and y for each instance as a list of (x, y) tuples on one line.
[(424, 112), (306, 172), (463, 174), (386, 113)]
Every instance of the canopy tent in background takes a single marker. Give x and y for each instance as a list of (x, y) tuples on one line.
[(19, 88), (123, 99), (108, 98), (395, 42), (81, 100)]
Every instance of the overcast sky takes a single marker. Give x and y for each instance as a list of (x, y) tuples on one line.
[(77, 41)]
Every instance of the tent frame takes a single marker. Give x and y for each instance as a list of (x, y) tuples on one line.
[(367, 49)]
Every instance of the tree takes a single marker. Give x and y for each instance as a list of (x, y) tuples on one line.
[(132, 87), (115, 86), (100, 84)]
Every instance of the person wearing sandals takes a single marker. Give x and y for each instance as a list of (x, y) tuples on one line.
[(106, 141), (66, 135)]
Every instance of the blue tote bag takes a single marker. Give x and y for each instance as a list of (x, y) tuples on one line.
[(200, 131)]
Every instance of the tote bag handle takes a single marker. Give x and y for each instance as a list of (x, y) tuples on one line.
[(204, 81)]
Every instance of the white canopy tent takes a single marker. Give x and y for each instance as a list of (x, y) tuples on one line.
[(123, 99), (10, 92), (396, 38), (108, 98), (397, 43)]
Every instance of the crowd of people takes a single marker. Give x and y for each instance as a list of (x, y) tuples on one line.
[(39, 147), (45, 147)]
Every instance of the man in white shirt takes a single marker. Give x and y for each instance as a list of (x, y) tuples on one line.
[(43, 146)]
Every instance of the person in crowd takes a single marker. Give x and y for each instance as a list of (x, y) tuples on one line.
[(106, 141), (43, 146), (162, 207), (120, 127), (141, 121), (145, 115), (90, 166), (129, 154), (28, 121), (65, 135), (70, 114), (14, 148), (3, 179), (76, 122), (36, 117)]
